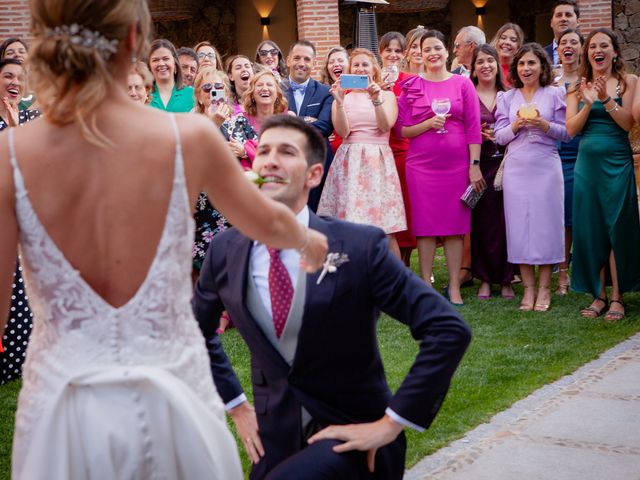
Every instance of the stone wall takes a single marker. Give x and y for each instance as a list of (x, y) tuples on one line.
[(626, 14), (214, 21)]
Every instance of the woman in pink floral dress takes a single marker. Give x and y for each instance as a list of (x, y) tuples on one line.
[(362, 184)]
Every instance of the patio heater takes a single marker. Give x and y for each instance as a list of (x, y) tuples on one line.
[(365, 31)]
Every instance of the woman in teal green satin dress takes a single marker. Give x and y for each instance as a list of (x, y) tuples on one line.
[(606, 225)]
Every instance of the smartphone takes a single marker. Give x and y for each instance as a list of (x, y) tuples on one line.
[(354, 82), (217, 96)]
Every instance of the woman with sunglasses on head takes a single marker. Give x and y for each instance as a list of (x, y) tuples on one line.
[(570, 45), (208, 56), (269, 54), (168, 92), (606, 229)]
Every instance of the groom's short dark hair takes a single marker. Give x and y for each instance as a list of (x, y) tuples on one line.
[(316, 150)]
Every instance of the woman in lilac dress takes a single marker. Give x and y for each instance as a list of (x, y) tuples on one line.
[(530, 119), (440, 166)]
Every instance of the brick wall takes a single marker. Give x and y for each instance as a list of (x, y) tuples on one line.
[(318, 22), (595, 14), (14, 18)]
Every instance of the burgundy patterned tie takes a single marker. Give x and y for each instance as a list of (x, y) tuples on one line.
[(280, 290)]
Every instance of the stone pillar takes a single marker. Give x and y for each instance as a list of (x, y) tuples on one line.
[(15, 19), (319, 23), (627, 24)]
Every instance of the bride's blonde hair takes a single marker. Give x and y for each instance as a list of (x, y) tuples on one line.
[(71, 77)]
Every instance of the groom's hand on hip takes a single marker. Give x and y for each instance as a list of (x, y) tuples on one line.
[(362, 436), (244, 417)]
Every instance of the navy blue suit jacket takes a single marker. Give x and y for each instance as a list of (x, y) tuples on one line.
[(317, 104), (549, 50), (337, 373)]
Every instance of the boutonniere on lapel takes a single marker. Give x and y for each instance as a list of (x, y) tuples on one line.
[(331, 264)]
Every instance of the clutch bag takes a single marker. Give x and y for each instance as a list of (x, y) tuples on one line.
[(470, 197)]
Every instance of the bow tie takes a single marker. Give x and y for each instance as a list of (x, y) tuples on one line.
[(297, 87)]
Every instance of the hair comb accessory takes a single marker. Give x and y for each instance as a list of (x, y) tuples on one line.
[(79, 35)]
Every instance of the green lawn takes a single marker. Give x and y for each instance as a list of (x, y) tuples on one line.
[(511, 355)]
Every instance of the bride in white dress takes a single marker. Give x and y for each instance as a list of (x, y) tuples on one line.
[(98, 195)]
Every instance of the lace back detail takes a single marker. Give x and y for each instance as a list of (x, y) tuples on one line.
[(64, 301)]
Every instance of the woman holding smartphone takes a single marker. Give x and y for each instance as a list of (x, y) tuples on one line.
[(362, 184)]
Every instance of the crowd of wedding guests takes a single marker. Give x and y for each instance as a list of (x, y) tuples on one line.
[(514, 157)]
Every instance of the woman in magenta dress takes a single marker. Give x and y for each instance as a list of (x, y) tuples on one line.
[(362, 184), (530, 118), (440, 166)]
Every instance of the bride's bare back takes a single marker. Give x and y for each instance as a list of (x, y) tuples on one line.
[(104, 208)]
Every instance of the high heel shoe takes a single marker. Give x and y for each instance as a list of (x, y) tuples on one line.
[(563, 288), (543, 307), (527, 307)]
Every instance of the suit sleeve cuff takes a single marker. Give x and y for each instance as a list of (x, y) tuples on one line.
[(402, 421), (235, 402)]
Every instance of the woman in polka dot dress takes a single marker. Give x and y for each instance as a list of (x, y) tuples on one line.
[(16, 334)]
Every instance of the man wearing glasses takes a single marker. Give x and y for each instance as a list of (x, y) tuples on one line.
[(466, 41)]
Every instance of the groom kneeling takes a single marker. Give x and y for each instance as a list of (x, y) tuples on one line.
[(322, 405)]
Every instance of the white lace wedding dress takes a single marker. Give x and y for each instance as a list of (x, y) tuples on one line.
[(117, 393)]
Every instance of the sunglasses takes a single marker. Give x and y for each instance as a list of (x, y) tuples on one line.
[(207, 87), (273, 52), (209, 55)]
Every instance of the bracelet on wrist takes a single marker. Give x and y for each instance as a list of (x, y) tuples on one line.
[(612, 109), (475, 161), (377, 103), (606, 100)]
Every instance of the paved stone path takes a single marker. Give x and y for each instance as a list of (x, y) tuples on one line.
[(585, 426)]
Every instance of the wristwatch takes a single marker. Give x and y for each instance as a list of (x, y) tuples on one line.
[(474, 162)]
